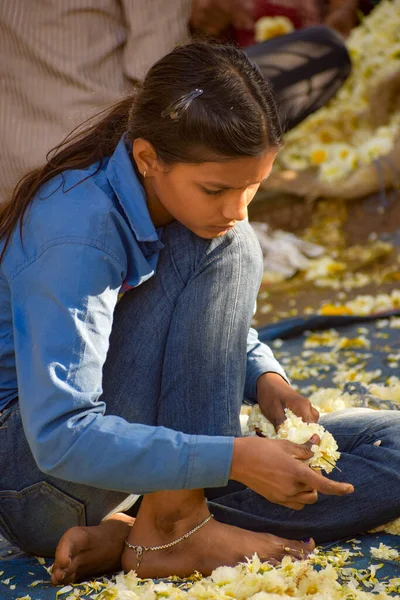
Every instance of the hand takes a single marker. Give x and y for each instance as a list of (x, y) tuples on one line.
[(274, 394), (275, 469), (342, 19), (214, 16)]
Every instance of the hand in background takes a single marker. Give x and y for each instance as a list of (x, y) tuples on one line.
[(342, 16), (214, 16)]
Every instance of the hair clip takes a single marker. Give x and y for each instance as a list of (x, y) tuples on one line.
[(176, 108)]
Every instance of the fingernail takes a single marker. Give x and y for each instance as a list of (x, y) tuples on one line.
[(307, 541), (314, 438), (64, 575), (349, 489)]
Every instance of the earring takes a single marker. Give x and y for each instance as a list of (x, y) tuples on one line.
[(144, 174)]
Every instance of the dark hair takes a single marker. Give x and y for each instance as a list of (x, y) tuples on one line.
[(236, 115)]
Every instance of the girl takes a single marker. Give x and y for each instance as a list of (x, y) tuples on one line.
[(100, 399)]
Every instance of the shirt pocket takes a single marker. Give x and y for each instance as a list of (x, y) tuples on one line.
[(35, 518)]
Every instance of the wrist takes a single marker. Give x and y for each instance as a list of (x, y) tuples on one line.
[(271, 379), (238, 459)]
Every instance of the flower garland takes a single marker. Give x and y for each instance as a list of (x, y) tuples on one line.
[(296, 430)]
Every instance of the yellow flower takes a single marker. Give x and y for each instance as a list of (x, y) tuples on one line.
[(269, 27), (334, 310), (318, 156)]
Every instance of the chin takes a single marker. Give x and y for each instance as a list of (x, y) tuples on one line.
[(210, 235)]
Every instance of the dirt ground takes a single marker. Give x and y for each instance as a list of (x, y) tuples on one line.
[(353, 222)]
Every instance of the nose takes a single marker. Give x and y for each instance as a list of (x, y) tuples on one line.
[(235, 209)]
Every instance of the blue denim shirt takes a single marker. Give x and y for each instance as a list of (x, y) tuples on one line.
[(58, 289)]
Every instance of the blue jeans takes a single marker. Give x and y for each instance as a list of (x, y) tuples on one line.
[(177, 358)]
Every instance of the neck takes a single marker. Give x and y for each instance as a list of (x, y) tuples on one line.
[(159, 215)]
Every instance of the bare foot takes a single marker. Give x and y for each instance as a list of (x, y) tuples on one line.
[(213, 545), (89, 551)]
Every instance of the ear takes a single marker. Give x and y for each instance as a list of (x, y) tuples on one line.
[(145, 157)]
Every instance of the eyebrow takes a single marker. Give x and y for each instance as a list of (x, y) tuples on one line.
[(224, 186)]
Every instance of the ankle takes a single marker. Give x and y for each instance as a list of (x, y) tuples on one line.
[(171, 525), (172, 512)]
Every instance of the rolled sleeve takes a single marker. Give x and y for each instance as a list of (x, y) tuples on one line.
[(218, 453), (260, 359)]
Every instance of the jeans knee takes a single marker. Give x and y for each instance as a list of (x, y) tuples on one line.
[(191, 254), (390, 424)]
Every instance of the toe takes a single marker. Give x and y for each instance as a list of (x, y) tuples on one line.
[(60, 569), (308, 545), (72, 543), (299, 550), (57, 576)]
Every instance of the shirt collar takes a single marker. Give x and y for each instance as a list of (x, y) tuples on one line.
[(130, 193)]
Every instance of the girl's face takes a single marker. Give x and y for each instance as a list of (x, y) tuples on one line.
[(207, 198)]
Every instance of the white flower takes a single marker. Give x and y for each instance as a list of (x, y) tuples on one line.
[(374, 148), (257, 422), (384, 552), (296, 430), (225, 575), (324, 266), (393, 528)]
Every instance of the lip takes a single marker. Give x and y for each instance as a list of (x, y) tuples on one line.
[(221, 227)]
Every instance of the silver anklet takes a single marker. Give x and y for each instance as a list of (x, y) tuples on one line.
[(140, 551)]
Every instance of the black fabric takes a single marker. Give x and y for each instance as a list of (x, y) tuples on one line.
[(306, 68)]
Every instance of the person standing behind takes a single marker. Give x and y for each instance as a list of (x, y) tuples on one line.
[(64, 60)]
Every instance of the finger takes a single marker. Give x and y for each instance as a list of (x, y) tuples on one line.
[(314, 414), (307, 412), (307, 497), (314, 440), (301, 407), (303, 451), (276, 414), (292, 505), (327, 486)]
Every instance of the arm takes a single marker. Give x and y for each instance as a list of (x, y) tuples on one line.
[(267, 384), (260, 360), (154, 28), (212, 17), (61, 330)]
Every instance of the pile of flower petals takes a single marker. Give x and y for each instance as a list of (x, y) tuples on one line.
[(341, 136), (364, 305), (261, 581)]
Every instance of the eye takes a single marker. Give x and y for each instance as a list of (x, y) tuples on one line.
[(213, 192)]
